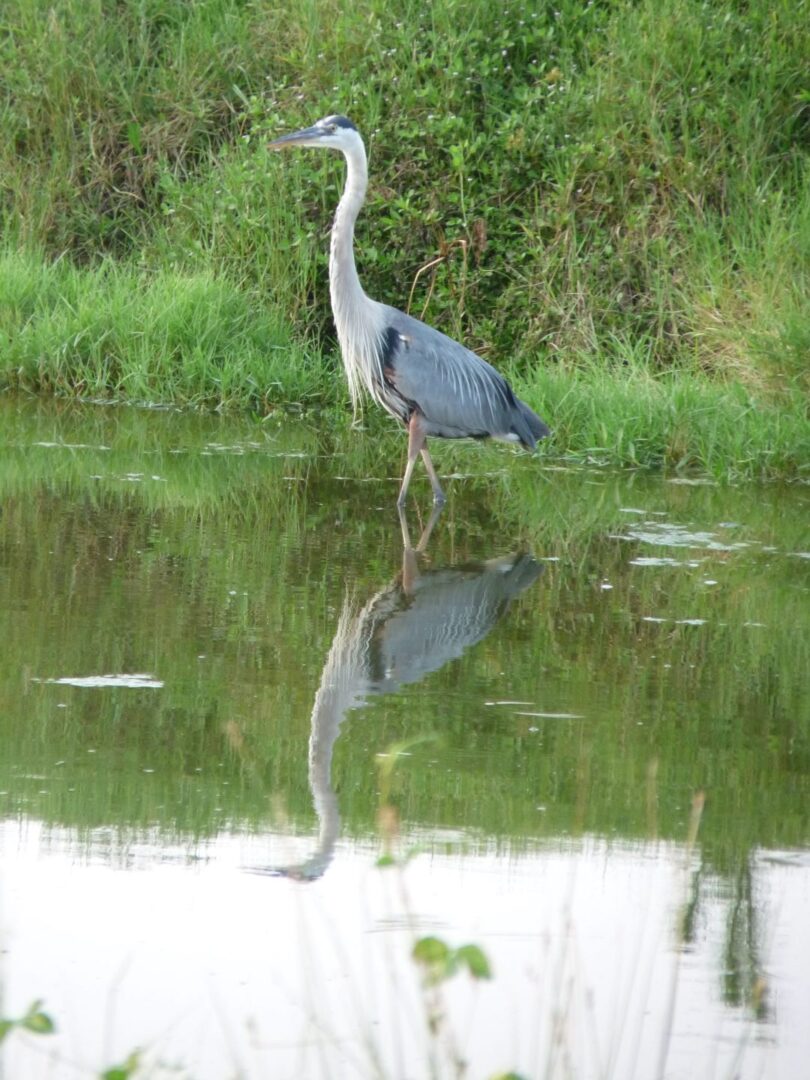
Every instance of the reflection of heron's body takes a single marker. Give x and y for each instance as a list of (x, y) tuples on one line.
[(410, 628)]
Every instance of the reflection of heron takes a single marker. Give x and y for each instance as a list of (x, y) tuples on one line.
[(427, 381), (410, 628)]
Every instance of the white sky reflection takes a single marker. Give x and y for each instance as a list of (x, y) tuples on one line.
[(230, 973)]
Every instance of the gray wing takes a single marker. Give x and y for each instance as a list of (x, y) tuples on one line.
[(449, 611), (457, 392)]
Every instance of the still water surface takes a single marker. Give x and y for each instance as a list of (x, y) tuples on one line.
[(226, 690)]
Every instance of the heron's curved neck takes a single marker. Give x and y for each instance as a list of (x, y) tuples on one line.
[(344, 284)]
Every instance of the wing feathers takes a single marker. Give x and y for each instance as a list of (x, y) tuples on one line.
[(457, 392)]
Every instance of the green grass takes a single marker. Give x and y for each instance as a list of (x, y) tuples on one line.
[(639, 418), (616, 198), (112, 332)]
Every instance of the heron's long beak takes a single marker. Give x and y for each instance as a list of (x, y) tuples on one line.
[(310, 136)]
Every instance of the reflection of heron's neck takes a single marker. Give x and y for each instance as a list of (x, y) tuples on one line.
[(400, 635), (342, 686), (356, 316), (325, 730)]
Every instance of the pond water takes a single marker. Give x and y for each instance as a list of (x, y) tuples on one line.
[(254, 749)]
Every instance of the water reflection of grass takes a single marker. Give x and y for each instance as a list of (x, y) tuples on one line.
[(223, 576)]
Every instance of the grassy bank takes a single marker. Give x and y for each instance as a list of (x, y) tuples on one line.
[(615, 201)]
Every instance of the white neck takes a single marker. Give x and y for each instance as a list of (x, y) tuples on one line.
[(344, 283), (355, 314)]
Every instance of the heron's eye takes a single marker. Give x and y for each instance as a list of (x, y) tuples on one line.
[(332, 128)]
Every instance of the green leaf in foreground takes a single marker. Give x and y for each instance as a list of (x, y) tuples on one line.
[(431, 951), (441, 962), (38, 1022), (125, 1070), (34, 1020), (474, 959)]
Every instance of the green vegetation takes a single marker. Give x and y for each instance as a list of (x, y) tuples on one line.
[(612, 202), (190, 339), (37, 1022), (34, 1020)]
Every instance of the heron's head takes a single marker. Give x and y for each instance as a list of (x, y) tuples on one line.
[(332, 132)]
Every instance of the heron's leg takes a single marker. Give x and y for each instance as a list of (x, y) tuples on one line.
[(416, 440), (438, 494), (410, 566), (410, 554), (403, 524), (435, 514), (410, 570)]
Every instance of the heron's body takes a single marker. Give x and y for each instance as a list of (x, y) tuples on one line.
[(430, 383)]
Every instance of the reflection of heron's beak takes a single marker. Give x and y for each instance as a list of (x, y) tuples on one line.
[(308, 871), (310, 136)]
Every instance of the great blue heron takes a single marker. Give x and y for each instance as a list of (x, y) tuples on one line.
[(424, 379)]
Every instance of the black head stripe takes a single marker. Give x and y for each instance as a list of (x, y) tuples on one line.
[(338, 121)]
